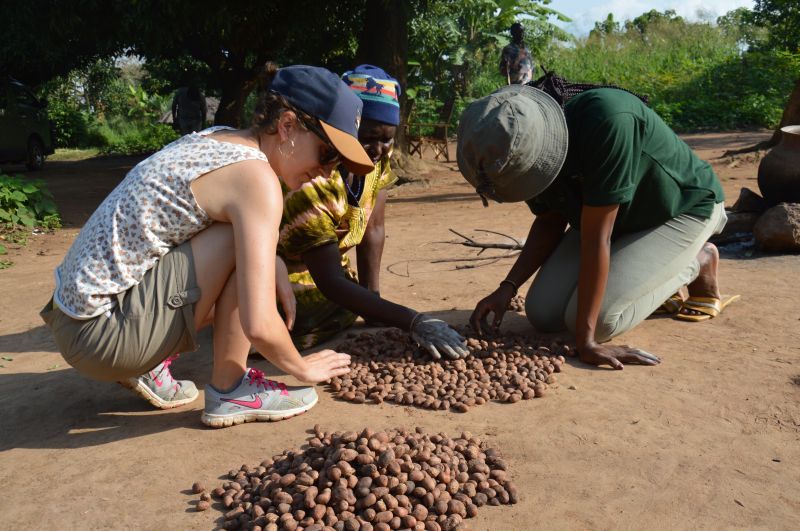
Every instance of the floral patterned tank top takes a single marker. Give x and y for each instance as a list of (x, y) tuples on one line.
[(151, 211)]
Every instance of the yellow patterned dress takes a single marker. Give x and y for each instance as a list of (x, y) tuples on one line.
[(317, 214)]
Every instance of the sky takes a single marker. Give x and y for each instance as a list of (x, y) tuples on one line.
[(584, 13)]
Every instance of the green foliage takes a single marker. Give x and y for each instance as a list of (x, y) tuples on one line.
[(782, 19), (740, 24), (129, 138), (80, 99), (71, 123), (26, 202), (455, 48), (107, 107), (695, 73)]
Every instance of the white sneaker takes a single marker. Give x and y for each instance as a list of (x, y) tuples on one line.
[(256, 399), (162, 390)]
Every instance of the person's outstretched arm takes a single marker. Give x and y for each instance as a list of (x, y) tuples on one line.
[(436, 336), (252, 203), (546, 233), (324, 264), (370, 250), (597, 224)]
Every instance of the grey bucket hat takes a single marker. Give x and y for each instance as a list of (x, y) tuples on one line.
[(512, 143)]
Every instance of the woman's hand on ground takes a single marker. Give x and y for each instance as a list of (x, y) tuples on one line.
[(284, 292), (324, 365), (616, 355), (496, 303), (436, 336)]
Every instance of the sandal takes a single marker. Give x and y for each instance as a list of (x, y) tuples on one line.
[(708, 307), (670, 306)]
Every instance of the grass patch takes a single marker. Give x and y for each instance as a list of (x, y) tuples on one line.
[(71, 154)]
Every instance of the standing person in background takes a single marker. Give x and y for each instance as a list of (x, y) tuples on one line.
[(189, 110), (516, 64), (327, 217)]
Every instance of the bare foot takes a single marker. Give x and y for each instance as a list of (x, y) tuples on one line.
[(705, 285)]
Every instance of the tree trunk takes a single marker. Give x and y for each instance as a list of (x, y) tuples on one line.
[(384, 43), (235, 89)]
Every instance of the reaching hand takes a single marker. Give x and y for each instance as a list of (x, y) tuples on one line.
[(324, 365), (284, 292), (496, 303), (616, 355), (434, 335)]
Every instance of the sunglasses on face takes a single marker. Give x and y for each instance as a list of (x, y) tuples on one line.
[(328, 154)]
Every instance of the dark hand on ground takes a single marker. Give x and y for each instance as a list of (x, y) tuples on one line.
[(497, 304), (616, 356)]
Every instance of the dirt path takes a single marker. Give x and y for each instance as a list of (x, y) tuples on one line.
[(709, 439)]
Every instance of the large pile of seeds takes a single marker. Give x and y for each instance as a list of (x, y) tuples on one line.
[(372, 480), (389, 366)]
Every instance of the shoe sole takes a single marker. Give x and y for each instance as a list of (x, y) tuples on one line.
[(155, 400), (232, 419)]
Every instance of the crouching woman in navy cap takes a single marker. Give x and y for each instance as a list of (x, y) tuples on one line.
[(327, 217), (189, 238)]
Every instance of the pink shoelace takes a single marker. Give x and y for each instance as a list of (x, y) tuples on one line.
[(165, 367), (258, 378), (167, 362)]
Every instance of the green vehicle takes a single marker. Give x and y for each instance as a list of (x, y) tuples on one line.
[(26, 135)]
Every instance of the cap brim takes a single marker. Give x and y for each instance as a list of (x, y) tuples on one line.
[(354, 157)]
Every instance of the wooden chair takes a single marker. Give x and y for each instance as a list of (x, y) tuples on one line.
[(417, 140)]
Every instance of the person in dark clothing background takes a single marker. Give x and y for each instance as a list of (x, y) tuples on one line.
[(189, 110), (516, 63)]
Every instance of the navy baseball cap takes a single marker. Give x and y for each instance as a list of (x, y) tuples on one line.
[(321, 94)]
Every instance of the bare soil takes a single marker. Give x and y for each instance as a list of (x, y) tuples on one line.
[(708, 439)]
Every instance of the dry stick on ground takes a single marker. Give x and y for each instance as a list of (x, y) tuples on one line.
[(487, 260), (469, 242), (516, 247)]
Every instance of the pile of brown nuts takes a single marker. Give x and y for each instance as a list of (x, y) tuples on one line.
[(372, 480), (389, 366), (517, 304)]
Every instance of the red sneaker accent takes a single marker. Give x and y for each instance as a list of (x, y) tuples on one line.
[(254, 404)]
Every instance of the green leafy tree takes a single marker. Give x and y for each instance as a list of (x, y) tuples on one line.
[(455, 47), (644, 24), (782, 19), (231, 41), (228, 42), (609, 26), (43, 39), (741, 25)]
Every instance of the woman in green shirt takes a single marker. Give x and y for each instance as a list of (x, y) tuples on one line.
[(639, 204), (325, 218)]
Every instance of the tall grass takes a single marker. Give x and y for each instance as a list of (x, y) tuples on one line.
[(696, 76)]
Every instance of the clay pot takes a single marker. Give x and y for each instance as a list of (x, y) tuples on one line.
[(779, 171)]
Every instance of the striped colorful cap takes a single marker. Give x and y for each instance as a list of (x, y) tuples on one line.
[(379, 92)]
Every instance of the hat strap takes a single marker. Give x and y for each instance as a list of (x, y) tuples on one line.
[(485, 189)]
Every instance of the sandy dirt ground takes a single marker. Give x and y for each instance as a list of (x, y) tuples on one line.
[(710, 439)]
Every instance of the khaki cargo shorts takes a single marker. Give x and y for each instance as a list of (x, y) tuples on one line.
[(150, 322)]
